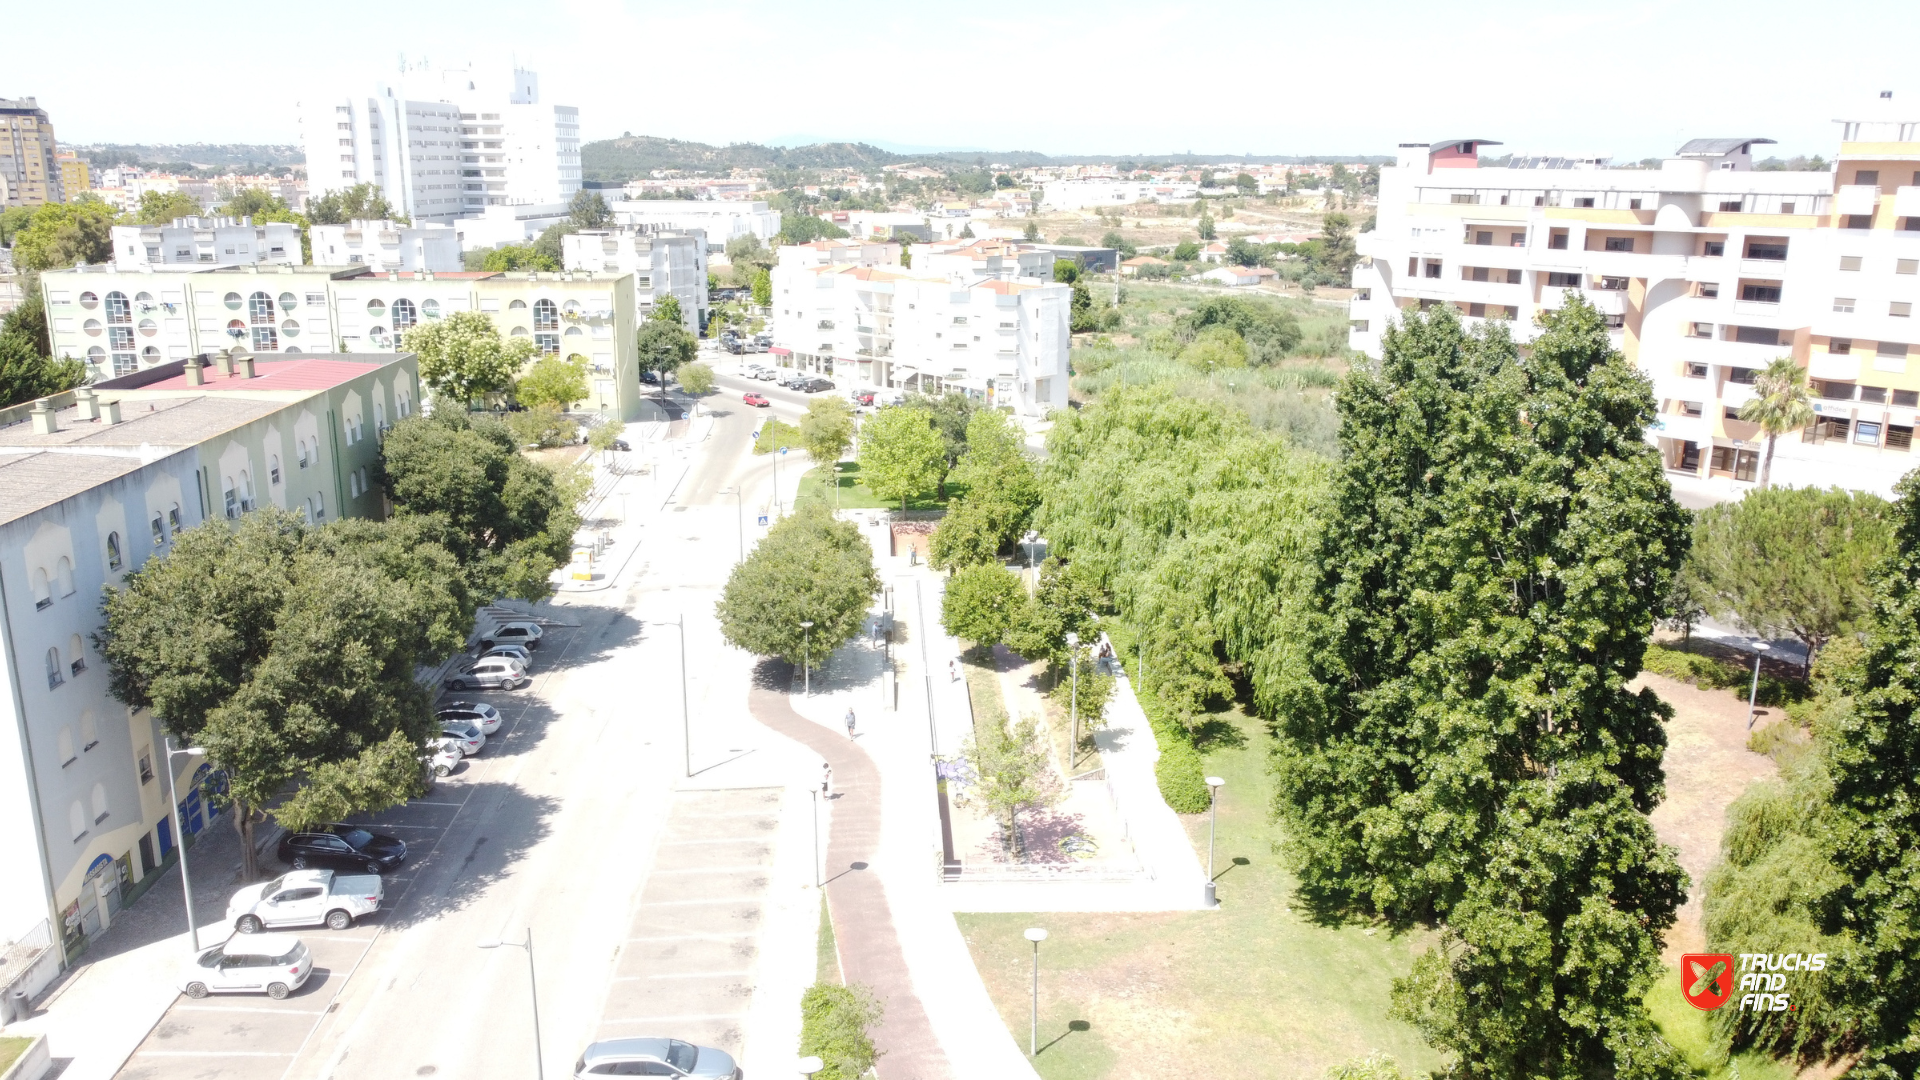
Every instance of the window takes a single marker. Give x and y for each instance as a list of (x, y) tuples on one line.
[(56, 675), (1730, 206), (77, 821), (517, 305), (1876, 395), (404, 315), (173, 519), (1363, 294), (42, 592), (303, 453), (1906, 399), (1694, 370), (376, 309), (1787, 208), (353, 484), (1713, 248), (1899, 437), (319, 507), (1866, 177), (232, 300), (1867, 433), (1561, 280), (246, 491), (89, 729), (1840, 346), (1619, 243), (1709, 290), (1433, 271), (159, 532), (1616, 321), (1518, 239), (1633, 204), (146, 764), (429, 309), (1832, 427), (1760, 294), (99, 803), (1900, 309), (1700, 330), (547, 344), (1691, 408), (273, 469), (1849, 262), (113, 551), (1769, 250), (1843, 304), (265, 340), (1583, 202), (118, 309), (1744, 376), (1557, 240), (1613, 284), (1459, 198), (1906, 266), (290, 328), (1857, 221)]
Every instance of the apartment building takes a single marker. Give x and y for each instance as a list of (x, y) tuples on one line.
[(660, 264), (29, 160), (718, 221), (849, 310), (92, 483), (1705, 269), (196, 241), (387, 245), (76, 175)]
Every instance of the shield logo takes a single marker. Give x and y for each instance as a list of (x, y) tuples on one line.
[(1706, 979)]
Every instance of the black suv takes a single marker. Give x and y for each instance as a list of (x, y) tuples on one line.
[(342, 847)]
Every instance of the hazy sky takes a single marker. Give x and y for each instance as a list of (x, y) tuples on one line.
[(1226, 77)]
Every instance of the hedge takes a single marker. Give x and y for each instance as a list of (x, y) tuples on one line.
[(1183, 783)]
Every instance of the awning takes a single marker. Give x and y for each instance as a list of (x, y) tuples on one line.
[(778, 351)]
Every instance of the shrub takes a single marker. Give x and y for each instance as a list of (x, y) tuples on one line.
[(1717, 673), (543, 426), (1183, 783), (834, 1023)]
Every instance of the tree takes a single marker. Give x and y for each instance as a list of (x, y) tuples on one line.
[(966, 231), (1217, 347), (12, 220), (810, 568), (952, 414), (762, 287), (263, 206), (662, 346), (1269, 332), (553, 381), (361, 202), (744, 247), (1206, 229), (1337, 252), (1792, 560), (1065, 600), (1779, 405), (1066, 271), (463, 356), (834, 1027), (517, 257), (1003, 181), (1011, 774), (981, 603), (162, 208), (602, 437), (66, 234), (695, 379), (1032, 232), (667, 310), (1242, 253), (508, 520), (1080, 310), (290, 653), (588, 210), (1119, 243), (549, 248), (826, 431), (1456, 742), (26, 371), (901, 455), (1186, 251), (805, 229), (1246, 183), (1001, 493)]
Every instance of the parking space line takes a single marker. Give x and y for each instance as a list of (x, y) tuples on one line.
[(696, 937), (704, 900), (685, 975), (714, 869), (722, 840), (683, 1019), (244, 1009)]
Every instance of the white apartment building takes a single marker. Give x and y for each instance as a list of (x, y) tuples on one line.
[(1706, 270), (660, 264), (197, 241), (720, 221), (387, 245), (498, 226), (445, 145), (92, 482), (848, 310), (1108, 194)]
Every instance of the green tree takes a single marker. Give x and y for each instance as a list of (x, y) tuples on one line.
[(1011, 774), (1779, 405), (12, 220), (264, 206), (1186, 251), (1456, 739), (463, 356), (762, 286), (901, 455), (66, 234), (507, 519), (826, 431), (1206, 229), (1003, 181), (695, 379), (1242, 253), (981, 603), (1792, 560), (1337, 252), (542, 426), (1270, 332), (667, 310), (26, 371), (603, 436), (517, 257), (1066, 271), (589, 210), (952, 414), (796, 228), (553, 381), (1001, 493), (810, 568), (1119, 243), (834, 1026), (1246, 183), (361, 202), (661, 347), (162, 208), (1065, 600), (290, 653), (1217, 347), (1082, 318), (966, 231), (1032, 232), (744, 247)]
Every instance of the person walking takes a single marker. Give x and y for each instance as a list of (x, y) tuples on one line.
[(826, 780), (953, 671), (849, 723)]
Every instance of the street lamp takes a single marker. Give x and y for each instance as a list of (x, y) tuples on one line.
[(1753, 695), (806, 659), (1073, 697), (1035, 935), (811, 1065), (539, 1062), (180, 838), (1214, 784)]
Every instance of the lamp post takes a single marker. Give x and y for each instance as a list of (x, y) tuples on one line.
[(539, 1061), (1073, 697), (1035, 935), (1753, 694), (816, 838), (806, 658), (811, 1065), (1214, 783), (180, 838)]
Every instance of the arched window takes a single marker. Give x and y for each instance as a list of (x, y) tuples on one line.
[(148, 328), (378, 335), (260, 309), (113, 551), (290, 328), (149, 355), (246, 491), (159, 531), (42, 591), (517, 305), (302, 444), (265, 340), (77, 820), (273, 469), (99, 803), (89, 301), (518, 331), (546, 315), (376, 309), (55, 674), (63, 575), (572, 307), (65, 741), (319, 506), (118, 309), (232, 300), (93, 327), (288, 301), (144, 299), (233, 503), (353, 484), (404, 314), (89, 729), (379, 415), (429, 309), (173, 519), (98, 355)]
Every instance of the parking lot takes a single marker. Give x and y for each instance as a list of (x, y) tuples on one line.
[(251, 1036)]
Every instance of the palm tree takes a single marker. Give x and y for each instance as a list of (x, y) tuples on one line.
[(1779, 405)]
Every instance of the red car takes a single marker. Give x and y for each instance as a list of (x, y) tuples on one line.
[(756, 400)]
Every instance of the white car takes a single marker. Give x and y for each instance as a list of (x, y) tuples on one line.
[(479, 712), (511, 652), (466, 735), (514, 633), (273, 964), (445, 757), (306, 898), (494, 671)]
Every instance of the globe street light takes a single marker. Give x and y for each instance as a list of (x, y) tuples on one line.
[(1753, 695), (1035, 935), (811, 1065), (180, 838), (806, 659), (539, 1062), (1214, 784)]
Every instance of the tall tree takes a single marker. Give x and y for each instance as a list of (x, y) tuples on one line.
[(290, 653), (1337, 252), (1011, 774), (762, 286), (662, 346), (464, 357), (982, 602), (1779, 405), (695, 379), (826, 431), (1457, 742), (589, 210), (517, 257), (361, 202), (162, 207), (553, 381), (1792, 560), (66, 234), (667, 310), (901, 455), (26, 371), (1205, 226), (810, 568), (1001, 494)]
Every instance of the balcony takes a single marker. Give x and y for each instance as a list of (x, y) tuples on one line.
[(1763, 308), (1906, 201), (1724, 353), (1692, 429), (1857, 199), (1824, 365)]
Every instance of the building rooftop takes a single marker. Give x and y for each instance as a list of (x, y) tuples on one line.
[(307, 373), (1717, 147), (147, 424), (35, 481)]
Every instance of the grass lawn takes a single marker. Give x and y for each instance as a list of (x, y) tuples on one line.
[(10, 1050), (827, 954), (1685, 1027), (1252, 989), (815, 483)]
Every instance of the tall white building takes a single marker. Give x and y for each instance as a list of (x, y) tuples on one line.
[(661, 265), (387, 245), (721, 221), (217, 241), (446, 144)]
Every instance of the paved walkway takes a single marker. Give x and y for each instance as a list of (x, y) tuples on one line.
[(869, 947)]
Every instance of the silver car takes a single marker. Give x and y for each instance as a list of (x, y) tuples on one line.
[(495, 671), (654, 1057)]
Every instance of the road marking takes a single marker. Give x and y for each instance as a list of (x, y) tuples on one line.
[(397, 825), (723, 840), (206, 1053), (423, 802), (717, 869), (685, 975), (710, 900), (244, 1009), (684, 1019), (722, 936), (331, 937)]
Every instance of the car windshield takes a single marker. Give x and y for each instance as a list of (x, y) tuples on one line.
[(211, 958), (274, 885), (682, 1055), (355, 838)]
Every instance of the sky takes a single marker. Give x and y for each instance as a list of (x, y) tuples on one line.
[(1116, 77)]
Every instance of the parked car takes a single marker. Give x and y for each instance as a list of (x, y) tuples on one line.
[(514, 633), (815, 386), (654, 1057), (863, 397), (479, 712), (443, 756), (733, 347), (273, 964), (756, 400), (768, 374), (752, 371), (512, 652), (499, 672), (621, 444), (306, 898), (342, 847), (466, 734)]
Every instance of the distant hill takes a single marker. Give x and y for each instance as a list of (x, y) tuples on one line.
[(632, 157), (222, 157)]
